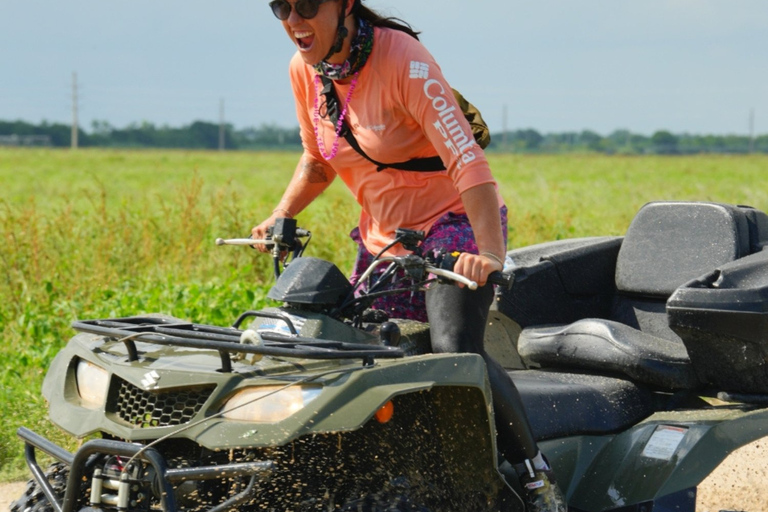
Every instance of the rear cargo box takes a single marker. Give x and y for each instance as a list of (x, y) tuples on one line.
[(723, 320)]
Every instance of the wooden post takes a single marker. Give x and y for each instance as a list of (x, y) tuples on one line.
[(74, 141)]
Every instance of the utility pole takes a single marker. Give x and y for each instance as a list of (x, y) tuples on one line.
[(504, 127), (221, 125), (74, 111), (752, 130)]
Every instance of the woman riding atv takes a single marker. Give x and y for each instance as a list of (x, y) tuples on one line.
[(368, 92)]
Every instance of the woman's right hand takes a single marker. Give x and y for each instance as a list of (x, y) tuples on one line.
[(309, 180), (260, 231)]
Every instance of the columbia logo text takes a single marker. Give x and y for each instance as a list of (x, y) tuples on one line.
[(456, 139)]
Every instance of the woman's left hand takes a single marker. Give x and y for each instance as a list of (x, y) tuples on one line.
[(476, 267)]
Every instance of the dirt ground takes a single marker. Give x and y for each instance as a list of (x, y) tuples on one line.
[(738, 484)]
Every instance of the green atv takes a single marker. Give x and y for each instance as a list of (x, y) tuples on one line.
[(642, 361)]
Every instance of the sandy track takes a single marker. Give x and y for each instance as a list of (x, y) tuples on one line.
[(9, 492), (740, 483)]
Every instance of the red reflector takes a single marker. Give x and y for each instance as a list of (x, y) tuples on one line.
[(386, 412)]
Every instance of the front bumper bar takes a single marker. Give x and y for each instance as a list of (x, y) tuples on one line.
[(165, 477)]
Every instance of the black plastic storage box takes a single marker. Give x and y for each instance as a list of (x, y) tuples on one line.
[(722, 319)]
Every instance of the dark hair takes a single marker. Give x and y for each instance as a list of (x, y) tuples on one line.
[(377, 20)]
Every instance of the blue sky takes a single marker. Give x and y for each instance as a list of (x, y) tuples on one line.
[(696, 66)]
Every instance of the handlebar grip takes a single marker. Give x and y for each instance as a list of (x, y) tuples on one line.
[(501, 279)]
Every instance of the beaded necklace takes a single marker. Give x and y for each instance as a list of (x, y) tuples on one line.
[(339, 124), (360, 49)]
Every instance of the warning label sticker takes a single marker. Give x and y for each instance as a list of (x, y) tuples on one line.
[(664, 442)]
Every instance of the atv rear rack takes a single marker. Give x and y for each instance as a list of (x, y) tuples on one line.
[(226, 340)]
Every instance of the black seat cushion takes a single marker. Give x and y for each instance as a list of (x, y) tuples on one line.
[(565, 404), (649, 316), (608, 346), (670, 243)]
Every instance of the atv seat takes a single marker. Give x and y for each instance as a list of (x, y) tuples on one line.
[(564, 404), (623, 327)]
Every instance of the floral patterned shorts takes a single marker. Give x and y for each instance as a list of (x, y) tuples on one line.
[(451, 232)]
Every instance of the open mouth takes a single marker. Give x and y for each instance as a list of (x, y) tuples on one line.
[(304, 40)]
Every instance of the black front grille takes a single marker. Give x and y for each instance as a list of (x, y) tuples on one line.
[(146, 409)]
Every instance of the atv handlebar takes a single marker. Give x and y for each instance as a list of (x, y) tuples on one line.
[(494, 277), (453, 276), (283, 237), (501, 279), (411, 261), (447, 261), (270, 242)]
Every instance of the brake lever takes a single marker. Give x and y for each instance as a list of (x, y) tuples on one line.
[(453, 276), (243, 241), (448, 261)]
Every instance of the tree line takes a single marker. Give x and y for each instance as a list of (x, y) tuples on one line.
[(205, 135), (625, 142), (197, 135)]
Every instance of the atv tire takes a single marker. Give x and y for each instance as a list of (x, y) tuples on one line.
[(34, 500), (393, 498), (379, 503)]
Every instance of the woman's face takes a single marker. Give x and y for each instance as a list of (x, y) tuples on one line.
[(314, 37)]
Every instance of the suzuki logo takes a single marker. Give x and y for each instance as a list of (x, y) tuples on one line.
[(150, 380)]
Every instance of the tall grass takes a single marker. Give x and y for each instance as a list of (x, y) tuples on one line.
[(96, 234), (93, 233)]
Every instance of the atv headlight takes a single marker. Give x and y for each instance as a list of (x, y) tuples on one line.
[(268, 404), (92, 384)]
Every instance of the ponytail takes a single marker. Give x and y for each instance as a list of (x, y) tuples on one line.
[(377, 20)]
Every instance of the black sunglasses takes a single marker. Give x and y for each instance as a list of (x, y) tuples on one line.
[(307, 9)]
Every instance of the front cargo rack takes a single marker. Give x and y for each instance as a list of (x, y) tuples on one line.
[(226, 340)]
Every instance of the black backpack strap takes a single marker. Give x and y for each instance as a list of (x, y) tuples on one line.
[(431, 164)]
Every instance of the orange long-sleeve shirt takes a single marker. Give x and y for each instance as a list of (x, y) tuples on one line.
[(401, 108)]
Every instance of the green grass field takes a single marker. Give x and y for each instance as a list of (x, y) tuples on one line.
[(91, 234)]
